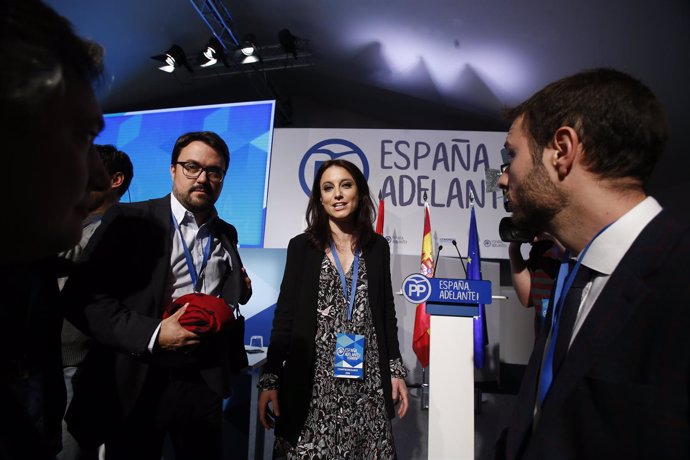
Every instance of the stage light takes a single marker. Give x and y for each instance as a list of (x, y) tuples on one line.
[(250, 50), (172, 59), (251, 59), (288, 42), (213, 53)]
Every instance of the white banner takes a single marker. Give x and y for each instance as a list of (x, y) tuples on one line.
[(449, 166)]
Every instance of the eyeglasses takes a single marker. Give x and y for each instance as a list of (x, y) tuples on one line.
[(192, 170)]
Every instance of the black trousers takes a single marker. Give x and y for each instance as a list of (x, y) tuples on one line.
[(176, 403)]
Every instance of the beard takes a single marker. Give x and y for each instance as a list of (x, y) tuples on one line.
[(537, 201), (197, 204)]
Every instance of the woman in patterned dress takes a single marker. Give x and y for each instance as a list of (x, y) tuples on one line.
[(317, 415)]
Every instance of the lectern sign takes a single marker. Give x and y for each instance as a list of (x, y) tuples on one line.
[(448, 290), (418, 288)]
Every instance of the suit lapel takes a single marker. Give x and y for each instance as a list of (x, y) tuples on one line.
[(229, 246), (161, 212), (232, 281)]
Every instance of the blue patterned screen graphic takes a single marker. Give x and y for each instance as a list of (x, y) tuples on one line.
[(148, 138)]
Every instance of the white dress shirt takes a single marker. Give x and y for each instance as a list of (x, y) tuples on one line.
[(608, 250), (196, 237)]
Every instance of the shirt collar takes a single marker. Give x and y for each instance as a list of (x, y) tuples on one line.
[(91, 218), (181, 213), (609, 248)]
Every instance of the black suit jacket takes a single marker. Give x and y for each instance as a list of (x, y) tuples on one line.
[(117, 296), (622, 391), (32, 390), (291, 352)]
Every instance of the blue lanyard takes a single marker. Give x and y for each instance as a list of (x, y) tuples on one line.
[(562, 273), (562, 288), (343, 281), (560, 294), (188, 256)]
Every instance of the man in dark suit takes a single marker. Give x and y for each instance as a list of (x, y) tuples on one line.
[(151, 376), (611, 378)]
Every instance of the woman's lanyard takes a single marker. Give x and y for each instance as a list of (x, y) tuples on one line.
[(188, 256), (343, 281)]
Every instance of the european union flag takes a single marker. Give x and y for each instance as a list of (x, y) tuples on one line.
[(474, 272)]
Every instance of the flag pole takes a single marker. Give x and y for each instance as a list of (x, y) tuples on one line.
[(425, 391)]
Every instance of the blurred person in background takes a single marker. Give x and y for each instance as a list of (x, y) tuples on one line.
[(75, 344)]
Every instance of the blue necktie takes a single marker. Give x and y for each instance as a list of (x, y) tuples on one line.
[(559, 341)]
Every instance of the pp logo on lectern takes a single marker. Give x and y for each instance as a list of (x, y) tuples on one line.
[(416, 288)]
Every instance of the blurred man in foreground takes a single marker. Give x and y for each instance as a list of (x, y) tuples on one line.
[(50, 118)]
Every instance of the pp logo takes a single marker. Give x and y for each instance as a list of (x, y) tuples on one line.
[(329, 149), (487, 243), (416, 288)]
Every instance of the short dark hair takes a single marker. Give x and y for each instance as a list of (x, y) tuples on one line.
[(318, 231), (116, 161), (209, 138), (619, 120), (39, 50)]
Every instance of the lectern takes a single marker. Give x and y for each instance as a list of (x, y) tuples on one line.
[(452, 304)]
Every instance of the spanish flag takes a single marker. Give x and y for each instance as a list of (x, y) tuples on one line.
[(379, 216), (420, 336)]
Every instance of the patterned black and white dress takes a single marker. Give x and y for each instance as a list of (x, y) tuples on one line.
[(347, 417)]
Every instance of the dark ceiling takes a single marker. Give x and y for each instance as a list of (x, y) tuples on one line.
[(434, 64)]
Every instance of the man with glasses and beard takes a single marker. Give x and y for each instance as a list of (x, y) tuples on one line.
[(153, 376), (610, 376)]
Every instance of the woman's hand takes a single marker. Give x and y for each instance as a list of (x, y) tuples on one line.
[(399, 395), (266, 415)]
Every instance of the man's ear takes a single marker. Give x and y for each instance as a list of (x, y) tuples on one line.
[(567, 147), (116, 180)]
